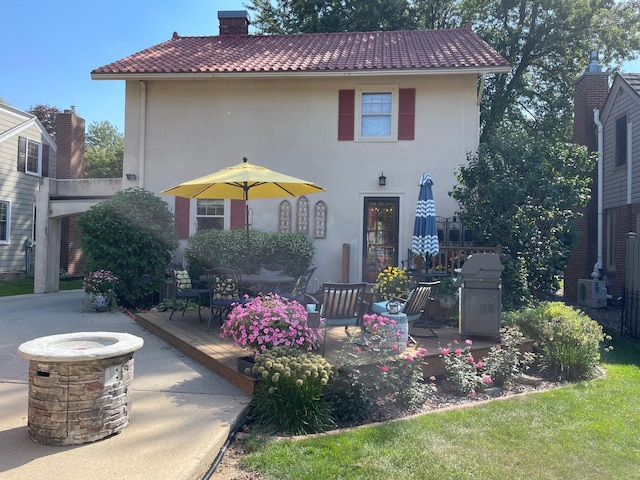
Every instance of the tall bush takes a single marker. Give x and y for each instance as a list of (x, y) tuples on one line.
[(567, 339), (227, 248), (131, 234)]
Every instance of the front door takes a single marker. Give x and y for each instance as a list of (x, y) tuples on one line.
[(380, 236)]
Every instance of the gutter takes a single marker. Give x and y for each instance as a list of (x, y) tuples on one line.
[(376, 72), (142, 132), (597, 268), (629, 160)]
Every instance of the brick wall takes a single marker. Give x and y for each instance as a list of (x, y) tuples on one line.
[(70, 137), (590, 92)]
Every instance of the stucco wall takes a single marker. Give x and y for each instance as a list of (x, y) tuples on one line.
[(192, 128)]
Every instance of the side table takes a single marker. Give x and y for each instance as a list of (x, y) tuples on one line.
[(402, 326)]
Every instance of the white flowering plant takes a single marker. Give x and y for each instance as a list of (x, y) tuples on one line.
[(290, 400)]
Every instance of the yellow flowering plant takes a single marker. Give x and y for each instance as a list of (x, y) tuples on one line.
[(392, 282)]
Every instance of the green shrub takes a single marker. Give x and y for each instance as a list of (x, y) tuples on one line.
[(567, 340), (227, 248), (290, 399), (131, 234)]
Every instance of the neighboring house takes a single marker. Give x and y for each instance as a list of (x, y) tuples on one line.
[(338, 109), (27, 155), (620, 118), (598, 264)]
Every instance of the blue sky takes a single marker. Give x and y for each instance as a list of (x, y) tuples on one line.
[(50, 47)]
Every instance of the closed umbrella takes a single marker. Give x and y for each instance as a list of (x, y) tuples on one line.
[(241, 181), (425, 230)]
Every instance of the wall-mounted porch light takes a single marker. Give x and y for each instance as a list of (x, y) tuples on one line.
[(382, 180)]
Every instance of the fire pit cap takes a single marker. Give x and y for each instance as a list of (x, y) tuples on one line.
[(78, 346)]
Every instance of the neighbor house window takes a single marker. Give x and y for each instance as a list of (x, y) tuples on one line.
[(29, 156), (621, 141), (210, 214), (380, 113), (5, 221)]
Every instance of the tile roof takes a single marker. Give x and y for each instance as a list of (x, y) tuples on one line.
[(322, 52)]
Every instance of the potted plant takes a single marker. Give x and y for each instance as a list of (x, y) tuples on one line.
[(270, 321), (100, 287), (392, 282)]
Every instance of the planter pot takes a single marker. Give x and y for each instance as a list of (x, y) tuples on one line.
[(101, 303), (245, 363)]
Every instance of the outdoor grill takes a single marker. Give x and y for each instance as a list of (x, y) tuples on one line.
[(480, 284)]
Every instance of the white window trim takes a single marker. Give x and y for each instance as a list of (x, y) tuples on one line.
[(394, 91), (26, 160), (8, 239), (193, 207)]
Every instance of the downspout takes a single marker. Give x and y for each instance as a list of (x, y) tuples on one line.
[(143, 132), (598, 266), (629, 160)]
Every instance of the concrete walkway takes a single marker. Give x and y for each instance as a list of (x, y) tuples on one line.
[(182, 412)]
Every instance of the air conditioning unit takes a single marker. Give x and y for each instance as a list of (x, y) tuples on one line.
[(592, 293)]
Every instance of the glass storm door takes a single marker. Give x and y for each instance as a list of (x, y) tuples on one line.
[(380, 236)]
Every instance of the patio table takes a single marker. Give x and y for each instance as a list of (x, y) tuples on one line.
[(265, 283)]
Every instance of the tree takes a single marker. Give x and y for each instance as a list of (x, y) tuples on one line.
[(47, 115), (522, 193), (547, 43), (104, 151), (131, 234)]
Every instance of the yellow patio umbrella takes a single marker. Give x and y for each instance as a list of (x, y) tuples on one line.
[(241, 181)]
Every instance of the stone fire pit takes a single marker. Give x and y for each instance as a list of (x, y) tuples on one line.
[(79, 386)]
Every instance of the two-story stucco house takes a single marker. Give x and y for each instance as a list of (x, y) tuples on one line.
[(338, 109), (27, 154)]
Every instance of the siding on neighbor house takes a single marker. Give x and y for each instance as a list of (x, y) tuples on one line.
[(18, 188), (615, 177)]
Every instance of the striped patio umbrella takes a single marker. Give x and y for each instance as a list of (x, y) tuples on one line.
[(425, 231)]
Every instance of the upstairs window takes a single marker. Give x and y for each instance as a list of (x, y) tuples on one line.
[(621, 141), (380, 113), (5, 221), (210, 214)]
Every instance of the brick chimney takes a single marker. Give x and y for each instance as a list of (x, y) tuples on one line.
[(70, 141), (590, 91), (234, 22)]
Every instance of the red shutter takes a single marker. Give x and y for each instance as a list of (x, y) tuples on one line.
[(346, 114), (22, 154), (406, 113), (182, 217), (45, 160), (237, 215)]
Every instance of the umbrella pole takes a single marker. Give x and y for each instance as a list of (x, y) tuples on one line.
[(246, 225)]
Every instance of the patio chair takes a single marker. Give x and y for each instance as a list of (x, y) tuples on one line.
[(224, 286), (414, 307), (299, 290), (185, 289), (341, 306)]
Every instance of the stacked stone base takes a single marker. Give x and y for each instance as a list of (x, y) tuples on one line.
[(71, 403)]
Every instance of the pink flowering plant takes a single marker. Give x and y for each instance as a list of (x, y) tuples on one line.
[(463, 373), (270, 321), (374, 374), (101, 282)]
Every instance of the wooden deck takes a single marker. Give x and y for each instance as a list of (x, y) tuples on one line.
[(188, 335)]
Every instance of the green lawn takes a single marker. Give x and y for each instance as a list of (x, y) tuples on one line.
[(24, 286), (582, 431)]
